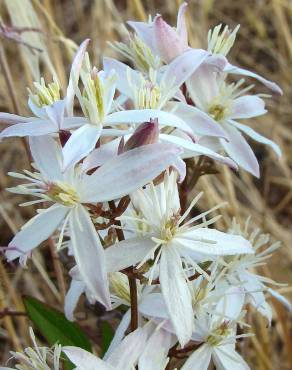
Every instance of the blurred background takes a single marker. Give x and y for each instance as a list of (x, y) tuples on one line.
[(39, 38)]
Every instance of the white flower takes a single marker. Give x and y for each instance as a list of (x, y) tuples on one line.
[(69, 192), (51, 112), (160, 237)]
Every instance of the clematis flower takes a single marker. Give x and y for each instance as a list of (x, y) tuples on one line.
[(70, 191), (163, 243), (51, 112), (217, 335), (224, 104), (169, 43), (146, 347)]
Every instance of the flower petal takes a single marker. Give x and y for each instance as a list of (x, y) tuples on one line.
[(80, 143), (89, 255), (257, 137), (176, 294), (55, 112), (199, 359), (37, 127), (85, 360), (127, 253), (46, 155), (11, 119), (128, 172), (239, 150), (145, 32), (35, 231), (181, 27), (72, 298), (229, 68), (225, 357), (247, 106)]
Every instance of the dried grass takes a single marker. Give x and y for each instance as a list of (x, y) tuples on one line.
[(264, 44)]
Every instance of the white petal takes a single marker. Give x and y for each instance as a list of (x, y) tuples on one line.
[(144, 115), (279, 297), (230, 304), (127, 253), (257, 137), (35, 231), (211, 242), (55, 113), (128, 172), (153, 306), (72, 298), (119, 333), (226, 358), (80, 143), (46, 155), (176, 294), (239, 150), (33, 128), (181, 27), (247, 106), (145, 32), (155, 353), (244, 72), (89, 255), (199, 359), (85, 360), (12, 119), (73, 122)]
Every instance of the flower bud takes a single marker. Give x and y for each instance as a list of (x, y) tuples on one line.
[(146, 133)]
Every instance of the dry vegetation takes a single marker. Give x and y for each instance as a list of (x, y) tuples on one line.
[(264, 44)]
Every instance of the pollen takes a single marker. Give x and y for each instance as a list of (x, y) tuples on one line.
[(219, 334), (218, 112), (63, 193)]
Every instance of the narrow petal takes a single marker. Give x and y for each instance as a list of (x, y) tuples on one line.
[(35, 231), (128, 172), (46, 155), (85, 360), (73, 122), (225, 357), (55, 113), (127, 253), (11, 119), (239, 150), (33, 128), (230, 304), (153, 306), (257, 137), (89, 255), (247, 106), (72, 298), (176, 294), (145, 32), (74, 76), (199, 359), (229, 68), (181, 27), (80, 144)]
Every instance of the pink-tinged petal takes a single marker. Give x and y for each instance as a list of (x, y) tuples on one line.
[(145, 115), (46, 155), (225, 357), (211, 242), (89, 255), (244, 72), (127, 253), (155, 353), (239, 150), (128, 172), (203, 86), (192, 149), (33, 128), (72, 297), (257, 137), (247, 106), (181, 27), (200, 122), (119, 333), (199, 359), (168, 42), (125, 356), (176, 294), (74, 76), (145, 32), (183, 67), (11, 119), (85, 360), (35, 231), (80, 144), (55, 113)]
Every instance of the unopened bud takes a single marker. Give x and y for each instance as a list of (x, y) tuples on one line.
[(146, 133)]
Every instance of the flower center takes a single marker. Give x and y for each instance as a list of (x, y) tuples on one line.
[(148, 96), (218, 112), (45, 95), (170, 228), (63, 193), (219, 334)]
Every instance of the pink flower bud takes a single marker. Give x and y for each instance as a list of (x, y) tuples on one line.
[(146, 133)]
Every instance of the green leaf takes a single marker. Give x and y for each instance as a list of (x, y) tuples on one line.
[(54, 326), (107, 336)]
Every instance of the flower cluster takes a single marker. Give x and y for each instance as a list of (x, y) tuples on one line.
[(106, 178)]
